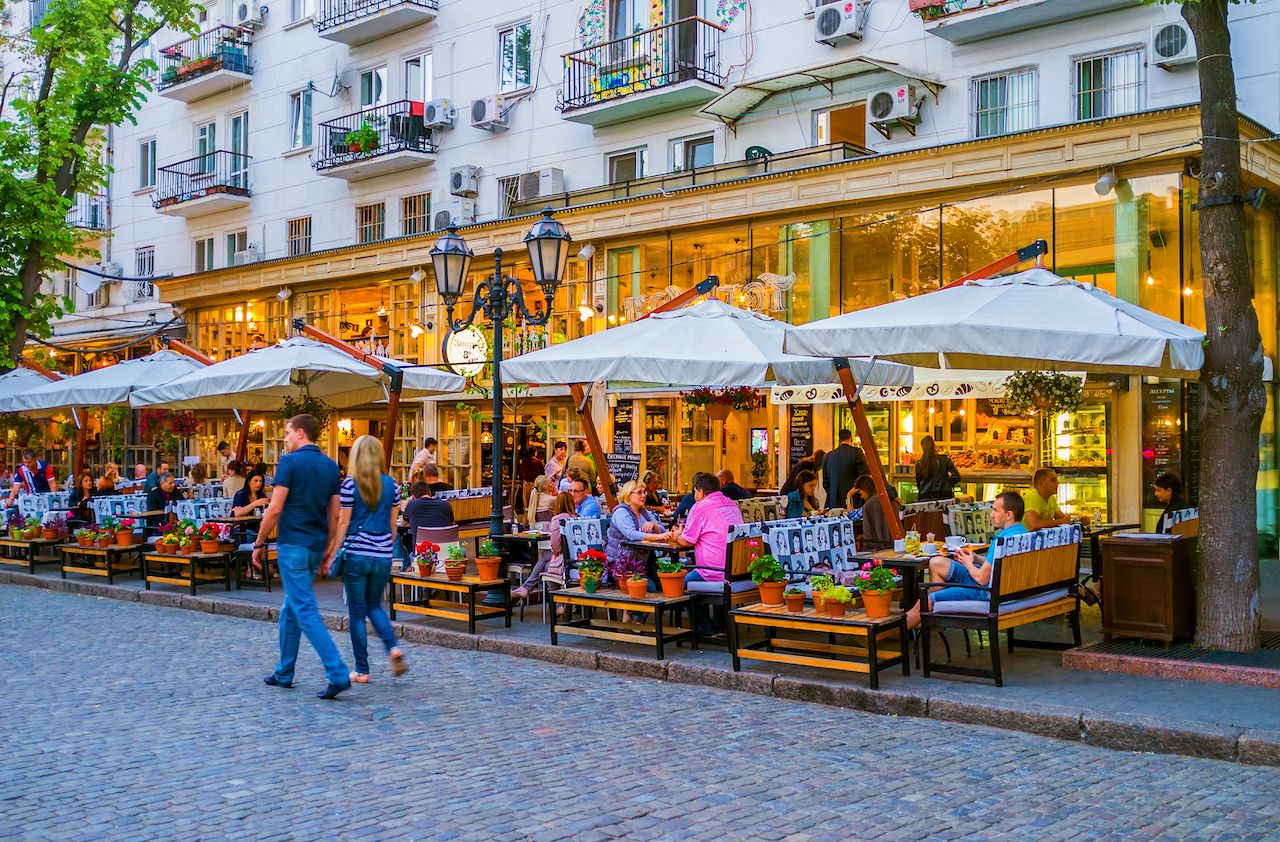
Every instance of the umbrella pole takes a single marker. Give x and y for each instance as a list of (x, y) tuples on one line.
[(81, 441), (579, 396), (242, 442), (869, 450)]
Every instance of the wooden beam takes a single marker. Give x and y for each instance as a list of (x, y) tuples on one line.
[(869, 450), (579, 396)]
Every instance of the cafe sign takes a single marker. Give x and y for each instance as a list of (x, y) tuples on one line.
[(466, 351)]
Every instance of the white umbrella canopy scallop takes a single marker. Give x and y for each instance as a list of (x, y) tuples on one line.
[(107, 386), (1032, 320), (261, 379), (16, 383), (706, 344)]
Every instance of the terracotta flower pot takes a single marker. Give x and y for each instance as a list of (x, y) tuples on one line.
[(487, 567), (795, 602), (771, 592), (125, 537), (637, 590), (455, 573), (590, 585), (876, 603), (84, 540), (672, 583), (836, 609), (353, 147), (105, 541), (49, 534), (188, 549), (210, 547), (166, 549), (819, 603), (719, 411)]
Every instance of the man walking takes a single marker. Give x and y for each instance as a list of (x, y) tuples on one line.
[(304, 505), (33, 476), (841, 470)]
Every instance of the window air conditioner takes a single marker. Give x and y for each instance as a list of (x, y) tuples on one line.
[(840, 20)]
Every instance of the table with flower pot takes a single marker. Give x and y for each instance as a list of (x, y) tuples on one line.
[(909, 563), (465, 588), (618, 600), (191, 562), (115, 558), (882, 639), (29, 552)]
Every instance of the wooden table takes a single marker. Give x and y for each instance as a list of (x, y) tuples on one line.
[(85, 560), (26, 552), (194, 577), (466, 587), (589, 626), (868, 658)]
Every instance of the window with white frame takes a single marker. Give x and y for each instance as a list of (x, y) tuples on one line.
[(144, 261), (415, 214), (1108, 84), (147, 164), (1005, 102), (300, 10), (693, 152), (627, 17), (300, 119), (237, 242), (625, 166), (299, 236), (373, 87), (417, 78), (204, 254), (371, 223), (515, 58), (146, 51), (96, 298)]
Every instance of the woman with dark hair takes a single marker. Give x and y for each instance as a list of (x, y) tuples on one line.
[(875, 524), (809, 463), (1168, 490), (803, 499), (85, 488), (253, 498), (936, 474)]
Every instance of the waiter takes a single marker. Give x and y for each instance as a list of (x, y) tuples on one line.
[(32, 477)]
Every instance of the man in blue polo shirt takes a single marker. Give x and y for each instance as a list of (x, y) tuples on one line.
[(304, 504)]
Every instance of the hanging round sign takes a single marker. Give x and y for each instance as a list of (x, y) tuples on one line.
[(466, 352)]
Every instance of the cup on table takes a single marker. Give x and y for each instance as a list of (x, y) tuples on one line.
[(929, 547), (900, 545), (955, 542)]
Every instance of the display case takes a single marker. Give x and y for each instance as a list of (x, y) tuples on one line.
[(657, 442), (1076, 445), (877, 418)]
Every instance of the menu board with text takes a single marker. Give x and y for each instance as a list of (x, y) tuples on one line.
[(622, 415), (801, 426), (1161, 436)]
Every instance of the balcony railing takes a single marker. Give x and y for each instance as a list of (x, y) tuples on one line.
[(89, 211), (211, 174), (221, 48), (684, 51), (136, 290), (334, 13), (968, 21), (373, 133)]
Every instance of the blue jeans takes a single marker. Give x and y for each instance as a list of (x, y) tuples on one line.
[(365, 579), (299, 615)]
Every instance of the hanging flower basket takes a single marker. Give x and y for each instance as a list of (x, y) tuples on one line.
[(1043, 391), (720, 402), (719, 411)]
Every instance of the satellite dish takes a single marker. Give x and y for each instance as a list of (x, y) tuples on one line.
[(337, 82)]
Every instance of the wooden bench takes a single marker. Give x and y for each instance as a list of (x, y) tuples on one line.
[(654, 604), (28, 552), (195, 577), (114, 559), (465, 589), (1025, 587)]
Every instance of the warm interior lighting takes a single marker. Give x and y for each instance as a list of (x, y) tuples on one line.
[(613, 320), (415, 330), (239, 316), (1186, 290), (1151, 281), (382, 312), (344, 427)]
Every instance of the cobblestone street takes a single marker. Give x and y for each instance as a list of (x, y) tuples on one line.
[(131, 721)]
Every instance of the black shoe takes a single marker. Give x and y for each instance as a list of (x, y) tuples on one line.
[(332, 691), (272, 681)]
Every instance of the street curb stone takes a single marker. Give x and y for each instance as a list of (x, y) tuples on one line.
[(414, 633), (103, 590), (1055, 721), (243, 610), (760, 683), (628, 665), (197, 603), (1259, 748), (1139, 733), (164, 598), (579, 658)]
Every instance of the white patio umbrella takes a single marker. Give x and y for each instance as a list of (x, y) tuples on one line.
[(708, 344), (105, 386), (1031, 320), (262, 378), (14, 384)]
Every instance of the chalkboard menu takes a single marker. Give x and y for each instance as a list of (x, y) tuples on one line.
[(622, 415), (1161, 436), (624, 467), (801, 427), (1191, 458)]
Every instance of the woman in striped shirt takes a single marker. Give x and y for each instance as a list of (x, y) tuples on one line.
[(366, 530)]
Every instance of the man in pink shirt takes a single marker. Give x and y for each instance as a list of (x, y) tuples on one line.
[(707, 529)]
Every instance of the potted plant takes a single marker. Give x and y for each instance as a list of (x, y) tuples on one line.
[(85, 537), (487, 560), (837, 599), (363, 139), (875, 582), (211, 537), (107, 529), (819, 584), (124, 531), (455, 564), (1043, 391), (637, 585), (622, 568), (187, 544), (795, 600), (720, 402), (52, 529), (671, 575), (425, 555), (590, 569), (769, 576)]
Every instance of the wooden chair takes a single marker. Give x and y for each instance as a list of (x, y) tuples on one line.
[(1188, 528), (1025, 587), (736, 589)]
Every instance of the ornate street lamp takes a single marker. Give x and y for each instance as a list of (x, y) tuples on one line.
[(498, 297)]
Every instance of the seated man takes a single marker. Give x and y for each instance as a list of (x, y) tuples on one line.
[(424, 509), (431, 474), (729, 488), (586, 505), (970, 568), (707, 531), (1041, 502), (159, 498)]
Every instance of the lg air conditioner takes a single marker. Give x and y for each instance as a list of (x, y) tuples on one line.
[(487, 114), (457, 212), (539, 184), (1172, 45), (249, 255), (438, 114), (464, 181), (896, 106), (835, 22)]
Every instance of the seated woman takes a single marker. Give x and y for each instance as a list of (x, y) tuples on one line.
[(197, 475), (651, 498), (562, 509), (804, 500), (81, 512), (875, 526), (631, 521), (253, 498), (1168, 490), (110, 476), (540, 497)]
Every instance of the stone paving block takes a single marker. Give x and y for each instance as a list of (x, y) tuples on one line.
[(1046, 720), (334, 621), (1259, 748), (244, 610), (197, 603), (685, 672), (817, 692), (631, 665), (564, 656), (169, 599), (5, 577), (1140, 733)]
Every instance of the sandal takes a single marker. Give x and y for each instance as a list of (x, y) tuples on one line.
[(399, 666), (359, 677)]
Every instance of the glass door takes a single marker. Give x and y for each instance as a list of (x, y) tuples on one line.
[(240, 150), (206, 145)]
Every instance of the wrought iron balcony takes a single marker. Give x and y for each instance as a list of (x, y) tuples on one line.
[(205, 184), (376, 141), (967, 21), (89, 211), (136, 290), (207, 64), (668, 67), (357, 21)]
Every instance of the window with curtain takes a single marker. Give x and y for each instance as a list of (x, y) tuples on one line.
[(1108, 84), (1005, 102)]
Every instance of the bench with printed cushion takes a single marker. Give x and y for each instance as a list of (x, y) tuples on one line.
[(1033, 579)]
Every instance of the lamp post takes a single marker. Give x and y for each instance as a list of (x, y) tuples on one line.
[(498, 297)]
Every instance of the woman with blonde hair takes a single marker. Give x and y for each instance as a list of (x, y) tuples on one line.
[(541, 496), (365, 536), (631, 521), (110, 476)]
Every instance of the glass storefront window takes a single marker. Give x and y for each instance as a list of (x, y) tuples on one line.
[(886, 256), (977, 233), (1085, 241), (1155, 262), (807, 252)]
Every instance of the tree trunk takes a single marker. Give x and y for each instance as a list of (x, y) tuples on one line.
[(29, 277), (1232, 397)]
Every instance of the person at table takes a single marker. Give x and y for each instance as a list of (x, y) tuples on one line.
[(84, 490), (729, 488), (631, 521), (936, 474), (558, 463), (584, 503), (813, 464), (562, 509), (153, 478), (423, 509), (875, 525), (234, 480), (197, 475), (6, 475), (368, 500), (159, 498), (707, 531), (261, 468), (34, 476), (253, 498), (802, 501), (1041, 502), (431, 476), (110, 476), (582, 462), (1168, 489), (969, 571), (541, 497), (566, 481), (842, 467), (650, 482)]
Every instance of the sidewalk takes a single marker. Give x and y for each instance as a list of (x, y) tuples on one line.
[(1127, 712)]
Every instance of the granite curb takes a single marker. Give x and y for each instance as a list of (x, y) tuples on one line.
[(1118, 731)]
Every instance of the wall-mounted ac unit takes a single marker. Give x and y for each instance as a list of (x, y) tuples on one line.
[(840, 20), (249, 255), (246, 14), (539, 184), (1172, 44), (896, 106), (487, 114), (457, 212), (464, 181), (438, 114)]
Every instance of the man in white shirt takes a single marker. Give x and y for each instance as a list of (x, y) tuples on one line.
[(425, 456)]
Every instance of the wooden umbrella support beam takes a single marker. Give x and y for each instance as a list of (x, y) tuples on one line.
[(242, 442), (869, 449), (1038, 250), (581, 398), (393, 372)]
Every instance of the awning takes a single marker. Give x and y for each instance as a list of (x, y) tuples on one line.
[(743, 98), (930, 384)]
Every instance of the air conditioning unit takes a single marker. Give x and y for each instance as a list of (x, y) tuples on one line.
[(248, 15), (840, 20), (539, 184), (487, 114), (438, 114), (464, 181), (111, 270), (1172, 45), (249, 255), (457, 212), (898, 106)]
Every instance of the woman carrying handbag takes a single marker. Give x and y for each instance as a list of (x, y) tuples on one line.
[(360, 551)]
